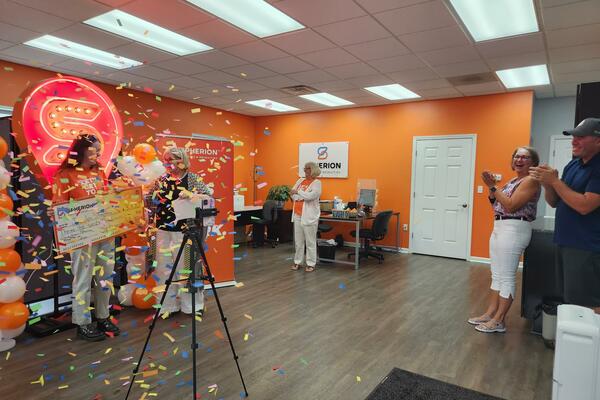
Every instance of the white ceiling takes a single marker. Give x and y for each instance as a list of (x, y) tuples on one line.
[(347, 45)]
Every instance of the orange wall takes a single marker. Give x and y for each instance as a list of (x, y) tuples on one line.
[(381, 147), (172, 114)]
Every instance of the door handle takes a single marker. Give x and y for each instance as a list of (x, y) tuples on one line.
[(465, 205)]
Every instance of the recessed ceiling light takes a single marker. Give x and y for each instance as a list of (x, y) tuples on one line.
[(255, 16), (134, 28), (272, 105), (393, 92), (486, 20), (82, 52), (534, 75), (327, 99)]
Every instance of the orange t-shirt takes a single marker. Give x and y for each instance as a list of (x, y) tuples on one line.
[(76, 184), (300, 203)]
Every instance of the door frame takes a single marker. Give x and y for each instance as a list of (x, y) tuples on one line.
[(551, 162), (473, 138)]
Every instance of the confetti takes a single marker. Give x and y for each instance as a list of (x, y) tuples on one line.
[(196, 110)]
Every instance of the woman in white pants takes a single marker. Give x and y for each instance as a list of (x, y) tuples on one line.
[(515, 206), (177, 183), (305, 194)]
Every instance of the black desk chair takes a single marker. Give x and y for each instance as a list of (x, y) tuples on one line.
[(269, 219), (377, 232), (323, 228)]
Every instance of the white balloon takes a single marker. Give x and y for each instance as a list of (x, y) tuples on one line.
[(11, 333), (8, 233), (127, 165), (4, 177), (135, 264), (125, 294), (12, 289)]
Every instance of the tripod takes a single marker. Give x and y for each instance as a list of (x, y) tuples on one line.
[(193, 231)]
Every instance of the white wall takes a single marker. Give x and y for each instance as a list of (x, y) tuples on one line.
[(550, 117)]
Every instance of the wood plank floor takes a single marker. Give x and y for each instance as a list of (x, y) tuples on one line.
[(331, 335)]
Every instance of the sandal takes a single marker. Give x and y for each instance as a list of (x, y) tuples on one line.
[(479, 320), (309, 269), (295, 267), (491, 326)]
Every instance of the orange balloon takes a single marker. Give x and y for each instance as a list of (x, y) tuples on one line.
[(13, 315), (133, 243), (148, 281), (138, 299), (144, 153), (5, 204), (3, 148), (10, 260)]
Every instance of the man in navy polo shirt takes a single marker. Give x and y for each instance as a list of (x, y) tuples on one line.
[(576, 198)]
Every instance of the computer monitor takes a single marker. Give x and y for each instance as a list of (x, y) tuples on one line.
[(367, 197)]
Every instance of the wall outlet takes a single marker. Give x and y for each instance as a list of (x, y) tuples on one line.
[(405, 227), (479, 189)]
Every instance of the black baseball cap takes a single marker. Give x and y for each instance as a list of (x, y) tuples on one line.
[(587, 127)]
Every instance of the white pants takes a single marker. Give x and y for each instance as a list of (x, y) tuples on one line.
[(95, 263), (509, 239), (305, 236), (178, 297)]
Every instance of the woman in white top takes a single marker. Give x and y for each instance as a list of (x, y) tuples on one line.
[(305, 194)]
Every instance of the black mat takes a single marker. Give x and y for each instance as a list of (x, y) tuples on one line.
[(404, 385)]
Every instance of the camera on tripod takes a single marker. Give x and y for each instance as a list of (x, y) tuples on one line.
[(207, 211)]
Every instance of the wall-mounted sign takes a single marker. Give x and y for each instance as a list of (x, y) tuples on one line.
[(51, 113), (332, 158)]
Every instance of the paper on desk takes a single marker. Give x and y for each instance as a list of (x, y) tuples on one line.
[(186, 208)]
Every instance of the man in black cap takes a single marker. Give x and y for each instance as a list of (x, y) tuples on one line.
[(576, 198)]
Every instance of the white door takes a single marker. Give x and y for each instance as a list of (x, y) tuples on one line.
[(561, 152), (442, 196)]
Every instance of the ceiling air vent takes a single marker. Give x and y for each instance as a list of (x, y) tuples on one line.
[(472, 79), (299, 90)]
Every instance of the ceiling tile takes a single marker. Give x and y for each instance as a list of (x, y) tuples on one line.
[(565, 89), (411, 75), (217, 77), (83, 10), (85, 67), (429, 84), (249, 71), (436, 93), (372, 80), (357, 30), (398, 63), (89, 36), (28, 18), (277, 81), (188, 82), (114, 3), (189, 95), (33, 54), (256, 51), (182, 66), (511, 46), (577, 77), (170, 14), (576, 35), (554, 3), (464, 68), (574, 53), (142, 53), (300, 42), (247, 86), (218, 34), (416, 18), (449, 56), (374, 6), (577, 66), (124, 77), (519, 60), (329, 58), (481, 88), (435, 39), (4, 45), (568, 15), (352, 70), (151, 72), (310, 77), (216, 59), (15, 34), (214, 101), (286, 65), (351, 93), (376, 49), (318, 12), (334, 85), (154, 86)]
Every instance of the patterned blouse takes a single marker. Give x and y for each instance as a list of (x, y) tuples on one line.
[(529, 210)]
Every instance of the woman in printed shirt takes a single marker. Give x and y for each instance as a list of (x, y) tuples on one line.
[(305, 194), (79, 177), (515, 206)]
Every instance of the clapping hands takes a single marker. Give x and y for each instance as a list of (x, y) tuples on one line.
[(488, 178)]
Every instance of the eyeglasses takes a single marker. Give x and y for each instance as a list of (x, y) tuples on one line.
[(519, 157)]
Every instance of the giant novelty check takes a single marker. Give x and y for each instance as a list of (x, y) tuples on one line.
[(78, 223)]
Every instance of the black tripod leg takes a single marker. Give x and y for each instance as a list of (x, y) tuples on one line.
[(156, 314), (211, 279)]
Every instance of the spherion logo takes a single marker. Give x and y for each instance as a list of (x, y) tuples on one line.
[(322, 153)]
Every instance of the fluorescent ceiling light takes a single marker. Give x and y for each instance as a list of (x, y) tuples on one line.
[(271, 105), (5, 111), (393, 92), (134, 28), (488, 20), (535, 75), (255, 16), (82, 52), (327, 99)]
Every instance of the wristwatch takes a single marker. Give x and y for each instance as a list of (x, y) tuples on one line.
[(493, 189)]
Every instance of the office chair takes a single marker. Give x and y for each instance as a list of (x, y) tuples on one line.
[(269, 219), (377, 232), (323, 228)]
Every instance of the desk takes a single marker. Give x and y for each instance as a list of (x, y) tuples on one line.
[(358, 222), (282, 230), (244, 216)]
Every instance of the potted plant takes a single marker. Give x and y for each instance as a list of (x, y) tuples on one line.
[(279, 193)]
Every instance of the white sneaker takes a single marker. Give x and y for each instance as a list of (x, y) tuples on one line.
[(491, 327)]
